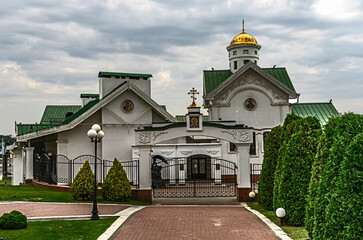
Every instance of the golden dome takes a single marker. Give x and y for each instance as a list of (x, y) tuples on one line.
[(244, 39)]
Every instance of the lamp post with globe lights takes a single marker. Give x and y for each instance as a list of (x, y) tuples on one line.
[(280, 213), (95, 134)]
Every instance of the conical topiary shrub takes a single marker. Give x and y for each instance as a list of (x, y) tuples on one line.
[(116, 186), (82, 187)]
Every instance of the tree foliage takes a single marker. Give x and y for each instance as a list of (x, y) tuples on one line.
[(296, 169), (266, 184), (82, 187), (116, 186)]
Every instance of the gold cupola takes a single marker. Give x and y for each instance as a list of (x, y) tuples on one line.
[(244, 38)]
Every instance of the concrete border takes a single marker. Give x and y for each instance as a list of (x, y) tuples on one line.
[(124, 215), (276, 229)]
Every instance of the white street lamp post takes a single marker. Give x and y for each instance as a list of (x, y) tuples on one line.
[(280, 213), (95, 134)]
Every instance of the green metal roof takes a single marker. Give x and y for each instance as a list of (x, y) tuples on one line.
[(163, 107), (118, 74), (89, 95), (54, 114), (323, 111), (213, 78), (81, 111), (28, 128), (183, 118)]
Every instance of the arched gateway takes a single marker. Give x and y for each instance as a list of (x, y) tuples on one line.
[(189, 173)]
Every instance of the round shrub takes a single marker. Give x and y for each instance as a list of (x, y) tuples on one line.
[(296, 169), (13, 220), (266, 184), (116, 186), (82, 187)]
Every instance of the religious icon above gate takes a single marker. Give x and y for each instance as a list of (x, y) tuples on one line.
[(194, 117)]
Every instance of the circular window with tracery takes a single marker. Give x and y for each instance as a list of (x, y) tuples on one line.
[(127, 106), (250, 104)]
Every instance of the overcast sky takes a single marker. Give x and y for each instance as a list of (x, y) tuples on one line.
[(51, 50)]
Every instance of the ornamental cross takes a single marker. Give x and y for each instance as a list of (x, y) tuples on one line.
[(193, 92)]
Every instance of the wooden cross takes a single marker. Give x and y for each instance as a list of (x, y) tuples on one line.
[(193, 92)]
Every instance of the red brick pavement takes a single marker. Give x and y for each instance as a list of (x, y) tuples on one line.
[(194, 222), (30, 209)]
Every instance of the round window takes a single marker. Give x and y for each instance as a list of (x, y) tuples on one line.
[(250, 104), (127, 106)]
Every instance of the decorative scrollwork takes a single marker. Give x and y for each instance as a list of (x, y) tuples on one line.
[(167, 152), (157, 134), (241, 136), (144, 137), (186, 152)]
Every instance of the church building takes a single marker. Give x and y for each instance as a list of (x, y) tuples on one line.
[(200, 155)]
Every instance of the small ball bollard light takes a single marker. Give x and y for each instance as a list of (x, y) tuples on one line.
[(95, 134), (252, 195), (280, 213)]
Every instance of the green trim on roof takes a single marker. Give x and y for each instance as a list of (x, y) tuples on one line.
[(213, 78), (183, 118), (118, 74), (163, 107), (22, 129), (56, 114), (81, 111), (89, 95), (323, 111)]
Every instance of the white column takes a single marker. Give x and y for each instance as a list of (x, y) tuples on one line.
[(29, 163), (172, 171), (145, 167), (182, 165), (18, 167), (217, 171), (243, 163)]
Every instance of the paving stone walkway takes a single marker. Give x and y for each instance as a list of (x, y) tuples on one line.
[(31, 209), (194, 222)]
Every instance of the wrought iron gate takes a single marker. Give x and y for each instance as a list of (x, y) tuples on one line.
[(196, 177)]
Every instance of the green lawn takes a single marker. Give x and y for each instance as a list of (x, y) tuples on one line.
[(296, 233), (60, 230), (36, 194), (8, 181)]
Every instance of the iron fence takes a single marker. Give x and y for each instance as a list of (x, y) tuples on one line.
[(255, 176)]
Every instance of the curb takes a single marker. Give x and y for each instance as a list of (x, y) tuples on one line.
[(276, 229)]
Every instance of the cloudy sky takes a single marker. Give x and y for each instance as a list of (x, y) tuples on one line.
[(51, 50)]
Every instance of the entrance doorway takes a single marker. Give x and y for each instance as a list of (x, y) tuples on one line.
[(199, 167)]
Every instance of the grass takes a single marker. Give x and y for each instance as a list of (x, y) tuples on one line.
[(7, 180), (60, 229), (296, 233), (36, 194)]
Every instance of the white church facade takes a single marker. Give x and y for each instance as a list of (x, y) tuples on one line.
[(243, 103)]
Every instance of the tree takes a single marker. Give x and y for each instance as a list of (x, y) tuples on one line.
[(325, 143), (82, 187), (296, 169), (116, 186), (286, 132), (266, 184)]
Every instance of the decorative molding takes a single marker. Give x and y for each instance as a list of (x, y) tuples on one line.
[(241, 136), (144, 137), (213, 152), (137, 153), (186, 152), (157, 134), (167, 152)]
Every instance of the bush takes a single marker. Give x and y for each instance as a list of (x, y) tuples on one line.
[(325, 143), (296, 169), (116, 186), (266, 184), (13, 220), (82, 187), (286, 132)]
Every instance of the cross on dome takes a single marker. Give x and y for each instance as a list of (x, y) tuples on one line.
[(193, 91)]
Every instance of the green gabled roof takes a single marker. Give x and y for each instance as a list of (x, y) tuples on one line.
[(183, 118), (213, 78), (81, 111), (118, 74), (28, 128), (89, 95), (323, 111), (54, 114)]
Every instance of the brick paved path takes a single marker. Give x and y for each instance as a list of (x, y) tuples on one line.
[(194, 222), (30, 209)]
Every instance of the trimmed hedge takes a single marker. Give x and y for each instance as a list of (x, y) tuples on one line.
[(82, 187), (286, 132), (296, 169), (326, 213), (266, 184), (116, 186), (13, 220), (325, 143)]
